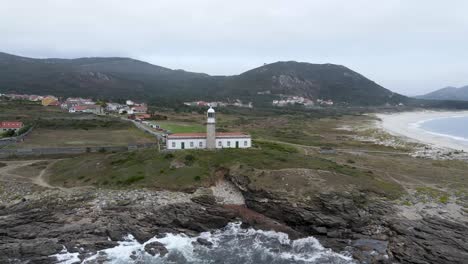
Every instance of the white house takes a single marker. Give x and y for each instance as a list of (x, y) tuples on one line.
[(209, 140), (10, 126)]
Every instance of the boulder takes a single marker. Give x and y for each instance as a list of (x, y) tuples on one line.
[(156, 248), (204, 242)]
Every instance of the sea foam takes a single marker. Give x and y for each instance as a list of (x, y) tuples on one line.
[(231, 244)]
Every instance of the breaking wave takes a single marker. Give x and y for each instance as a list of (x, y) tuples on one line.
[(231, 244), (453, 127)]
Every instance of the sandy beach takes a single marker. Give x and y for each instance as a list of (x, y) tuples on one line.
[(407, 125)]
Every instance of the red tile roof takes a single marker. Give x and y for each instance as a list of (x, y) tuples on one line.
[(80, 107), (187, 135), (143, 116), (203, 135), (232, 134), (140, 108), (11, 124)]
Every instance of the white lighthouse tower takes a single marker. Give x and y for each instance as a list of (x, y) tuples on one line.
[(211, 129)]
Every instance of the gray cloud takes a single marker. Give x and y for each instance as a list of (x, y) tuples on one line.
[(407, 46)]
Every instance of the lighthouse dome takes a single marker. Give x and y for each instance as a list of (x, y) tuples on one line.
[(211, 110)]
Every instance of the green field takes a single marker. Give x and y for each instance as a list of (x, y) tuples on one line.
[(28, 111), (79, 138), (54, 127), (181, 127)]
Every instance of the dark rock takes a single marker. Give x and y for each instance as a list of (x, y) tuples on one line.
[(334, 234), (156, 248), (430, 240), (40, 248), (204, 199), (204, 242), (338, 218), (371, 245), (320, 230)]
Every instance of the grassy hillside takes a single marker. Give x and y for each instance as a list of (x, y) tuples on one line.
[(189, 169), (287, 156)]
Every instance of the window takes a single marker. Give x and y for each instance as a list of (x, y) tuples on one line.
[(200, 144), (173, 144), (245, 143), (191, 144), (229, 143), (220, 143)]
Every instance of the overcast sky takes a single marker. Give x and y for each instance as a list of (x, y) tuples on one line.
[(408, 46)]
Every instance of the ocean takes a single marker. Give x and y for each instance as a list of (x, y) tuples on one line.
[(455, 127), (231, 245)]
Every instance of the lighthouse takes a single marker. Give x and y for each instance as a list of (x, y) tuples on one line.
[(209, 140), (211, 129)]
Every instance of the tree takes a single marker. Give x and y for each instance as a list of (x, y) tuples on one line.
[(8, 133)]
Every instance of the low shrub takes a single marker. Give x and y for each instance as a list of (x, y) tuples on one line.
[(132, 179), (169, 156), (189, 159)]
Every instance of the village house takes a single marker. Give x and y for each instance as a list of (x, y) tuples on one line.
[(209, 140), (93, 109), (114, 107), (10, 126), (27, 97), (138, 109), (139, 117), (71, 102), (50, 101)]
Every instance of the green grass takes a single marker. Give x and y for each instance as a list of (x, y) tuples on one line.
[(29, 111), (432, 194), (147, 168), (136, 169), (444, 199), (181, 127), (99, 136)]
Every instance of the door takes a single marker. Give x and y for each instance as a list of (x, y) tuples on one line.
[(183, 145), (237, 144)]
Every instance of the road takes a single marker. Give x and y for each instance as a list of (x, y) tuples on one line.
[(149, 130)]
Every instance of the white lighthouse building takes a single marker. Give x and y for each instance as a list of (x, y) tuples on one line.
[(209, 140), (211, 129)]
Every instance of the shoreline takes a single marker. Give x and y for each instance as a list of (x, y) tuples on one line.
[(407, 125)]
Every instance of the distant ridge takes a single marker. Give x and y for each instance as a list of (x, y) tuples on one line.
[(447, 93), (119, 78)]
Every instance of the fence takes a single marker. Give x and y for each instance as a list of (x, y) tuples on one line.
[(12, 140), (4, 153)]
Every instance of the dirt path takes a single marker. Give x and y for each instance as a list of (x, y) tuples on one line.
[(39, 180), (7, 173)]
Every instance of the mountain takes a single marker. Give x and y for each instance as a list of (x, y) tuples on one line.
[(447, 93), (95, 77), (324, 81), (114, 78)]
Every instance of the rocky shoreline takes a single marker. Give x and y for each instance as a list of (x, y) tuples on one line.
[(37, 222), (365, 225)]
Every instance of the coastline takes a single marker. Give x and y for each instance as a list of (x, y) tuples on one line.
[(407, 124)]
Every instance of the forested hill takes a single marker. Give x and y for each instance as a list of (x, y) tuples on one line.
[(118, 78)]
